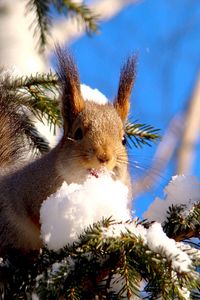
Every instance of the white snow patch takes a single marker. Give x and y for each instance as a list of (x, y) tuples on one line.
[(73, 207), (116, 230), (158, 242), (181, 190), (94, 95), (65, 214)]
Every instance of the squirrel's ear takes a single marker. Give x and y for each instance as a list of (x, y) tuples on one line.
[(72, 100), (127, 78)]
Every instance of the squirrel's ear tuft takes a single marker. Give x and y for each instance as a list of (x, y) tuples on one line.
[(72, 100), (127, 78)]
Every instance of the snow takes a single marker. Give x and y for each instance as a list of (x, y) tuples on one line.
[(94, 95), (65, 214), (181, 190), (73, 207), (116, 230), (158, 242)]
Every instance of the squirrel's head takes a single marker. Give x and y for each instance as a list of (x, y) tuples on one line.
[(94, 136)]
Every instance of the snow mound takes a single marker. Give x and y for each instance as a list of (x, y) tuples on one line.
[(65, 214), (158, 242), (181, 190)]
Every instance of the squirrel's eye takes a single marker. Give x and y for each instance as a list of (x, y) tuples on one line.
[(78, 135), (124, 140)]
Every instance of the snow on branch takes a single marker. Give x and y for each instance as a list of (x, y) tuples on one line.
[(66, 214), (181, 191), (118, 257)]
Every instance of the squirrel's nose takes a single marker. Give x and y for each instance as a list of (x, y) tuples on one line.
[(103, 158)]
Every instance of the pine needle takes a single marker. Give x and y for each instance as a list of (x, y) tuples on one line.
[(43, 17), (141, 134)]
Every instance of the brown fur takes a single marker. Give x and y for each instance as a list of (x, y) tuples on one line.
[(72, 101), (101, 126), (127, 77), (11, 129)]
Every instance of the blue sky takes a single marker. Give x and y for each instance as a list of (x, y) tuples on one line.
[(165, 34)]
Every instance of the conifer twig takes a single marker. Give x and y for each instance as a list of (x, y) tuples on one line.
[(181, 227), (141, 134), (43, 18)]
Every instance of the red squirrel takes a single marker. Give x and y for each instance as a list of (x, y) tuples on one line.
[(93, 137)]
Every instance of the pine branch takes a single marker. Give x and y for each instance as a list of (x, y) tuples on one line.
[(48, 81), (141, 134), (25, 129), (130, 276), (35, 96), (42, 21), (39, 95), (180, 226), (88, 269), (80, 11), (43, 18), (143, 263)]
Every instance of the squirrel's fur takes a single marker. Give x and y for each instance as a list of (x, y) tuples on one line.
[(92, 139), (11, 129)]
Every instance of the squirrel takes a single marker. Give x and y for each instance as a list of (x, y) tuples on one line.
[(93, 137)]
